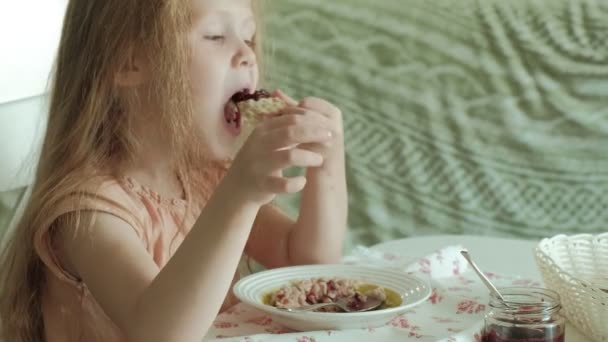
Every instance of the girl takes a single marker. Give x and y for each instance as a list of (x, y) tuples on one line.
[(138, 103)]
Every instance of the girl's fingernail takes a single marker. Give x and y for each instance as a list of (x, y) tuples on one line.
[(319, 160)]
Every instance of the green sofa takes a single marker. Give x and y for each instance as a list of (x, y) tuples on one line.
[(481, 117)]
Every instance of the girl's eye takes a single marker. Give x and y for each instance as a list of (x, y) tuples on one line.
[(251, 42), (215, 38)]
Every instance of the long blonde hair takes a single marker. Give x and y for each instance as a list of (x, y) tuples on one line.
[(88, 126)]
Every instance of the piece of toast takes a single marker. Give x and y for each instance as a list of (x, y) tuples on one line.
[(253, 111), (255, 107)]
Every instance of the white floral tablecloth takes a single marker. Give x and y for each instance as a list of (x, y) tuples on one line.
[(453, 313)]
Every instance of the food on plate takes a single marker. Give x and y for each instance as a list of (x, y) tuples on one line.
[(306, 292)]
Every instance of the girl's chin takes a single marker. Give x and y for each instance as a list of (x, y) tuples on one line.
[(223, 151)]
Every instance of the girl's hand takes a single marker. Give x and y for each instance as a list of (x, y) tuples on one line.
[(274, 145), (332, 149)]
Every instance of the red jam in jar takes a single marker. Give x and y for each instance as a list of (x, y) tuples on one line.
[(527, 315)]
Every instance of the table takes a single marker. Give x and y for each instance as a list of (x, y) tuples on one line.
[(499, 255), (511, 261)]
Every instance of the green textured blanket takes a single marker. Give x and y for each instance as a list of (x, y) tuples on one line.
[(8, 204), (469, 116)]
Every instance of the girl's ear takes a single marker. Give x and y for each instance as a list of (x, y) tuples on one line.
[(133, 72)]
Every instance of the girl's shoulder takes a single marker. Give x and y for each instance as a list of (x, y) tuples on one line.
[(101, 193), (90, 196)]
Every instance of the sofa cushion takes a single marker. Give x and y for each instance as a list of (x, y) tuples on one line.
[(477, 117)]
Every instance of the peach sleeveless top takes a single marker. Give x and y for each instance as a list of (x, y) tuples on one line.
[(69, 310)]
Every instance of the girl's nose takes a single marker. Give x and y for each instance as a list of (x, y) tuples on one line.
[(245, 57)]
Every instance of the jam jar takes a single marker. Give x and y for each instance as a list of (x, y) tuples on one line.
[(528, 315)]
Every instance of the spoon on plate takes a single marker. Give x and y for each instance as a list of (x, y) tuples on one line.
[(342, 303), (484, 279)]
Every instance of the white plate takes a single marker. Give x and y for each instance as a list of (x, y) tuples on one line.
[(413, 290)]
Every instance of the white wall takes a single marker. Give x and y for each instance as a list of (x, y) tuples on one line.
[(22, 125), (29, 35)]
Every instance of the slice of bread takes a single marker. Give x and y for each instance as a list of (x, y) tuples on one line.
[(254, 108), (253, 111)]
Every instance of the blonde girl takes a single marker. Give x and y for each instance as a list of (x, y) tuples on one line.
[(141, 208)]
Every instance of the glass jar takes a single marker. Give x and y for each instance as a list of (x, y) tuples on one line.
[(530, 315)]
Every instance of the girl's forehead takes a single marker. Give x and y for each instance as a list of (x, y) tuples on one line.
[(238, 8)]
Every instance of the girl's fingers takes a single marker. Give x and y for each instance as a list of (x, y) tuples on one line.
[(295, 116), (288, 185), (318, 148), (293, 157), (290, 101), (281, 138), (321, 106)]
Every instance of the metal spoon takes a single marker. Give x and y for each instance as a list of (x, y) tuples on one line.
[(484, 279), (342, 303)]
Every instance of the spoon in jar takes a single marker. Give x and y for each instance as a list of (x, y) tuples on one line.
[(484, 279)]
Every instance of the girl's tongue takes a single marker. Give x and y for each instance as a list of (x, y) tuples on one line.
[(232, 118)]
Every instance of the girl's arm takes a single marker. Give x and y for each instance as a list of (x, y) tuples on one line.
[(179, 302), (318, 234)]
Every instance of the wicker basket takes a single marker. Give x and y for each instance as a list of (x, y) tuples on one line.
[(577, 268)]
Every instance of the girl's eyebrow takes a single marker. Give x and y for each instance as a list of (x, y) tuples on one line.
[(249, 22), (216, 19)]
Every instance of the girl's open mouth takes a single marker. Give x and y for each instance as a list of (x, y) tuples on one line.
[(232, 118), (232, 115)]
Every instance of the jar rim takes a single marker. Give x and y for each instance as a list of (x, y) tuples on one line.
[(526, 300)]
